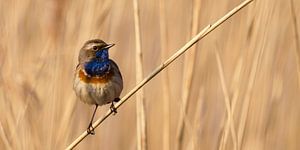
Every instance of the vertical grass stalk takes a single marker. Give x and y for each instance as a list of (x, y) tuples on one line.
[(246, 103), (189, 61), (165, 76), (140, 106), (295, 25)]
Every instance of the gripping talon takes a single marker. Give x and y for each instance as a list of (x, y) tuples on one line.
[(90, 130), (113, 108)]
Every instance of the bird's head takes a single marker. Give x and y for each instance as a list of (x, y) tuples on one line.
[(94, 50)]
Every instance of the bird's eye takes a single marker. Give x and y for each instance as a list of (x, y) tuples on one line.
[(95, 48)]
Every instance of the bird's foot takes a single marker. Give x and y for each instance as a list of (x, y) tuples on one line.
[(113, 108), (90, 130)]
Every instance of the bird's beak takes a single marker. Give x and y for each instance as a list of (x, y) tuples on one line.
[(109, 46)]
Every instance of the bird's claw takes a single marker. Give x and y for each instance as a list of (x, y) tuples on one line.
[(90, 130), (113, 108)]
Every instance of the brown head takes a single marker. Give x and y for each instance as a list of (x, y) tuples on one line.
[(90, 48)]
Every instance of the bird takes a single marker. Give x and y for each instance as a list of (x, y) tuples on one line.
[(98, 80)]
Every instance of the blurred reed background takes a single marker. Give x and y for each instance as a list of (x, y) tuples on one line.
[(238, 88)]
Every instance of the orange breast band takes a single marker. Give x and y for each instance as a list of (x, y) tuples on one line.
[(101, 79)]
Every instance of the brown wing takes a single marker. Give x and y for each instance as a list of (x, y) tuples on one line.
[(116, 66)]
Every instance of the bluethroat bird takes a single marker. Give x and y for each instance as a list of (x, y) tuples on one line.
[(98, 80)]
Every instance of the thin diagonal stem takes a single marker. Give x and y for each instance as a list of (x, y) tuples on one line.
[(226, 99), (161, 67)]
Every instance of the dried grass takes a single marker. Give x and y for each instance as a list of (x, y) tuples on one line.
[(39, 45), (140, 104)]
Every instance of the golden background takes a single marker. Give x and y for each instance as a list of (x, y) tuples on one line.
[(249, 65)]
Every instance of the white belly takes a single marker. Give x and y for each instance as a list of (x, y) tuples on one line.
[(98, 93)]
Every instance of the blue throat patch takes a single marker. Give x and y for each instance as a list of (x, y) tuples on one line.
[(98, 66)]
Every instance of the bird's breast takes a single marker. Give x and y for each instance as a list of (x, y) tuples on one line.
[(98, 89), (96, 79)]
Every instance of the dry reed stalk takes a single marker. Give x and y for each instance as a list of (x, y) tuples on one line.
[(297, 42), (4, 138), (196, 125), (162, 66), (165, 75), (188, 71), (140, 106), (6, 132), (246, 103), (227, 100), (66, 119), (236, 79)]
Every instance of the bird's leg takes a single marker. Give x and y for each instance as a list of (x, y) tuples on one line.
[(90, 129), (112, 106)]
